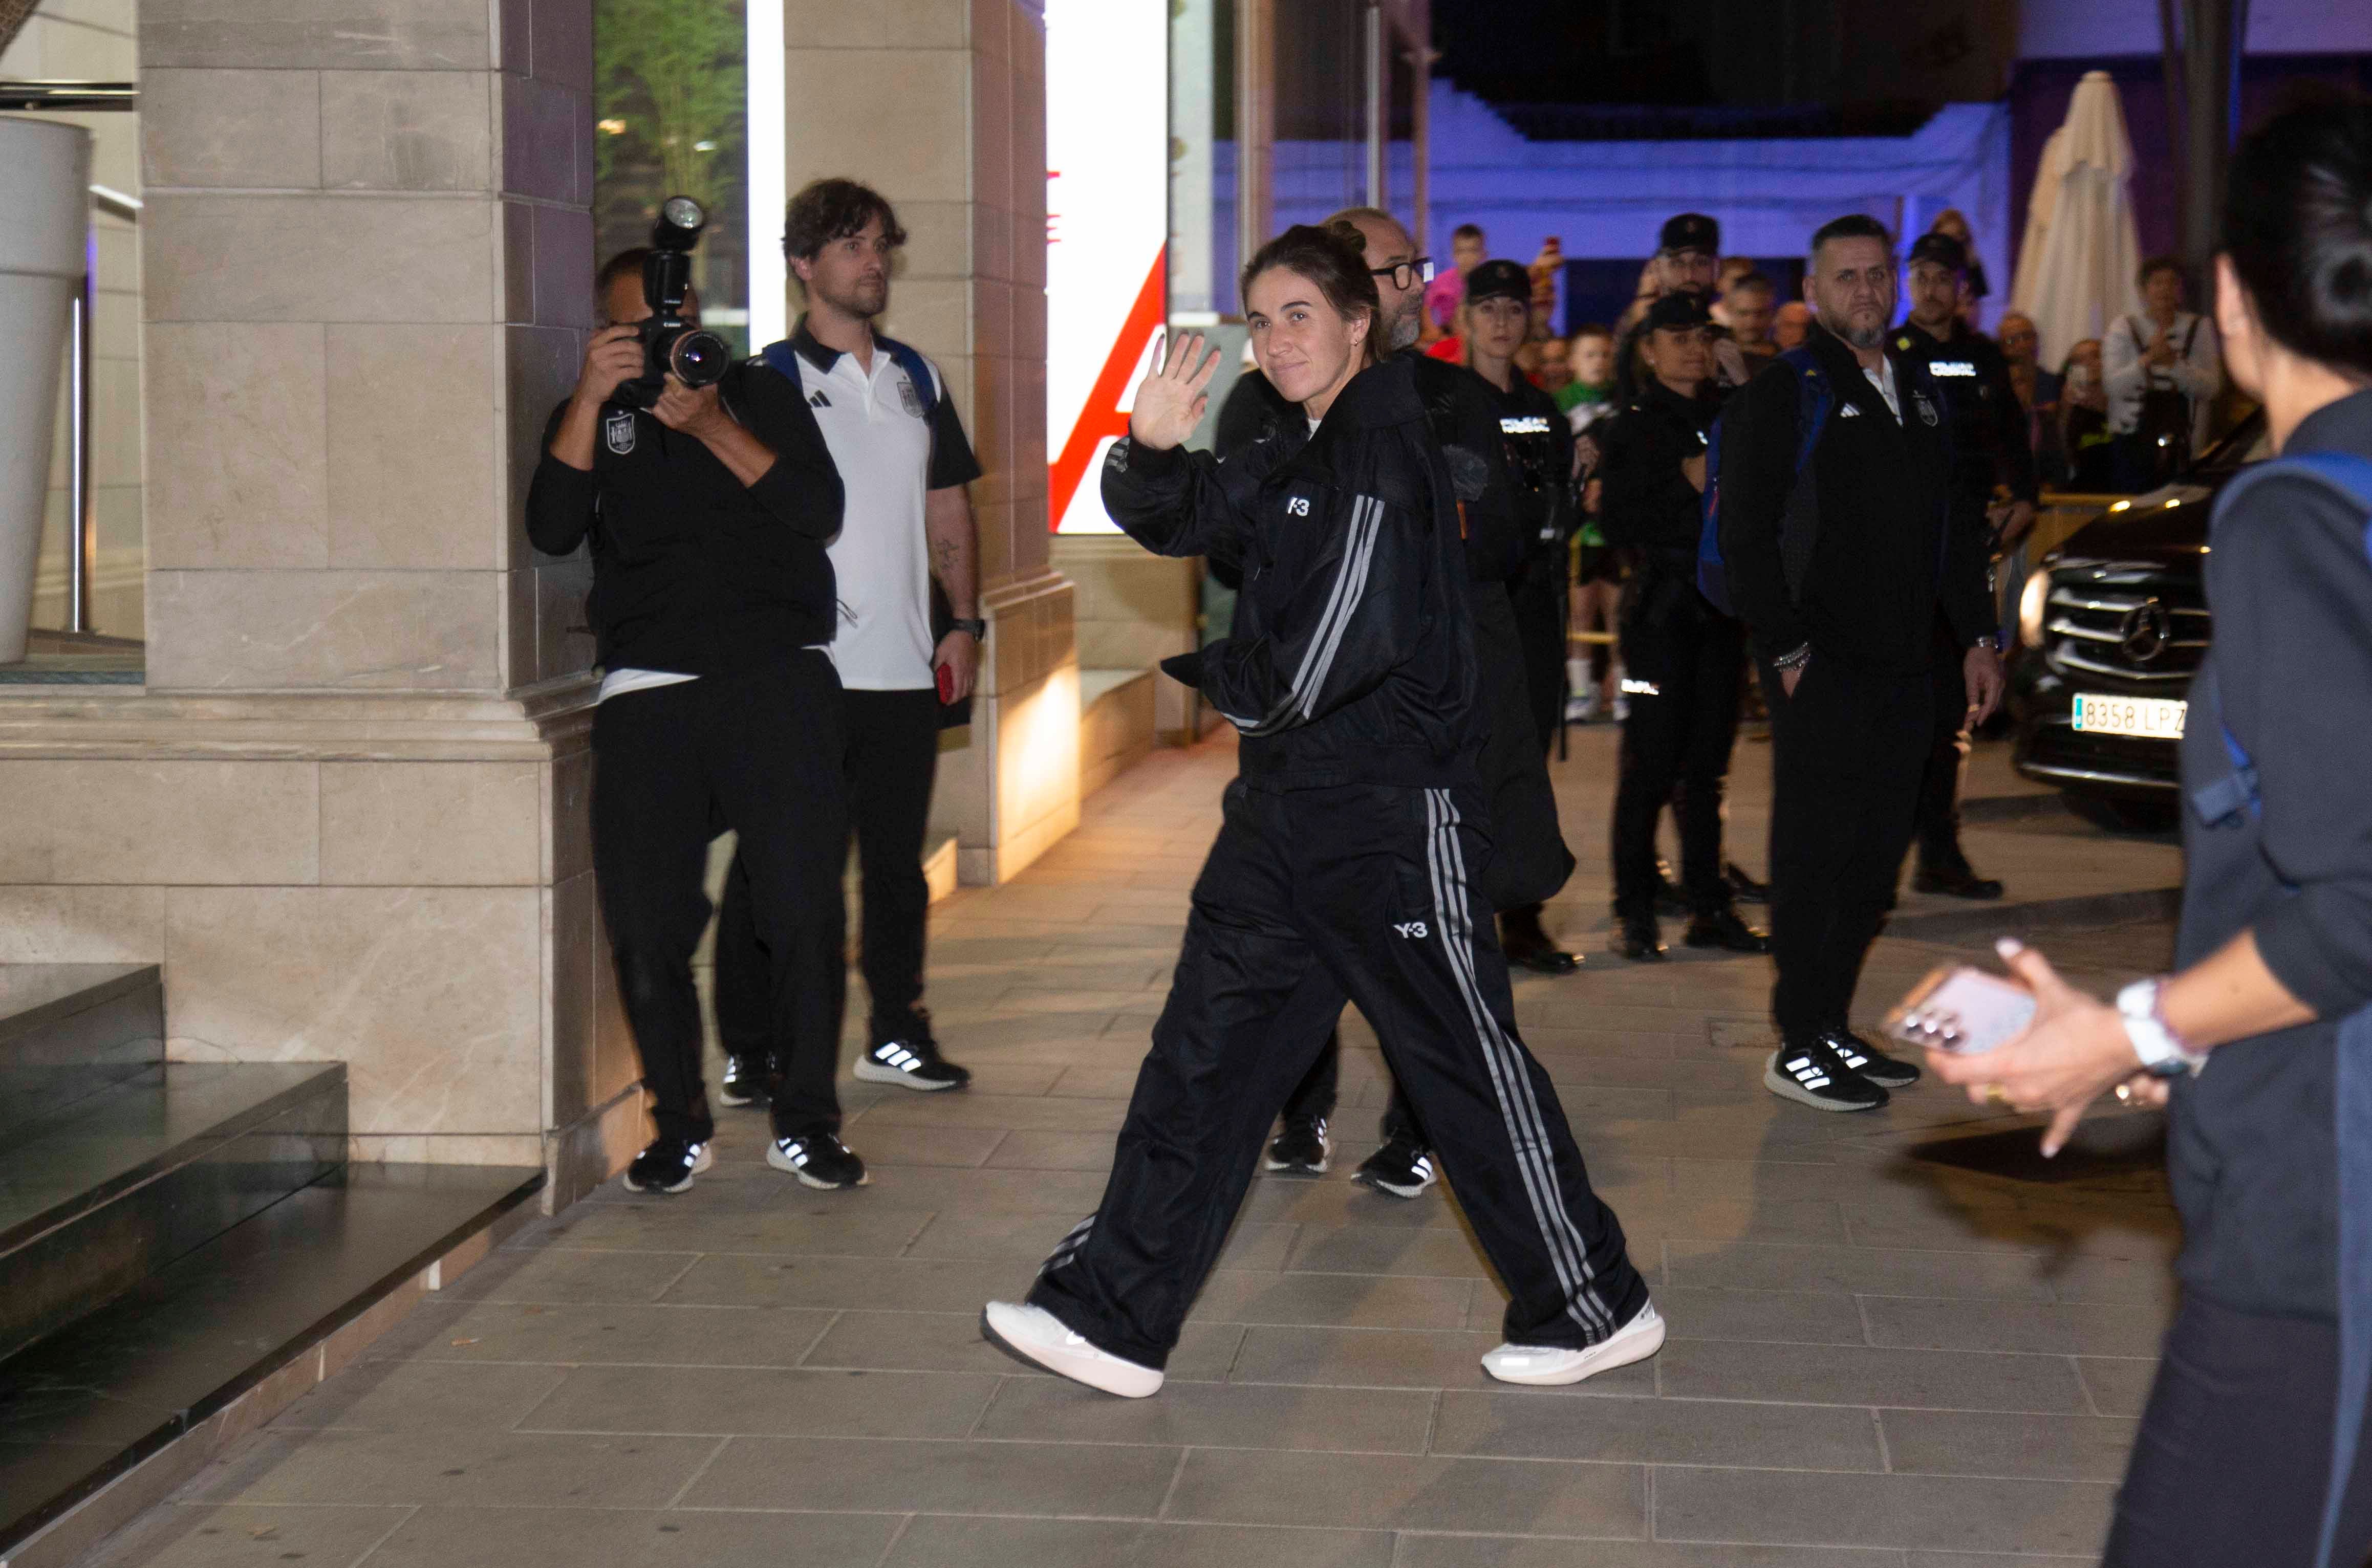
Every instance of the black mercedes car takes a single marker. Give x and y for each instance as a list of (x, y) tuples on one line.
[(2111, 626)]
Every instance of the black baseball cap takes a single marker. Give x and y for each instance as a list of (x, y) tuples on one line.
[(1677, 313), (1499, 280), (1941, 248), (1690, 231)]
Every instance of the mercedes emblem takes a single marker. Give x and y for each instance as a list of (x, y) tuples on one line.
[(2146, 633)]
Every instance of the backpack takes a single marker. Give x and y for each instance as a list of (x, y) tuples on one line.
[(1815, 399), (783, 360), (2351, 478)]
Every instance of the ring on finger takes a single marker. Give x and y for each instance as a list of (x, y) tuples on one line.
[(1996, 1094)]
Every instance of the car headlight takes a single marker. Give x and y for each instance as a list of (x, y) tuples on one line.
[(2032, 604)]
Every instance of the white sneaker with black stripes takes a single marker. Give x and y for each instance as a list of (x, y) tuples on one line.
[(1808, 1071), (1553, 1365)]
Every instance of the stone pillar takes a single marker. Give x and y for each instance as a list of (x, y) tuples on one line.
[(940, 105), (347, 812)]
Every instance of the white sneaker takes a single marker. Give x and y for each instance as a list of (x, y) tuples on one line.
[(1551, 1364), (1036, 1335)]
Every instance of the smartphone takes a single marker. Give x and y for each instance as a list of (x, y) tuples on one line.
[(1963, 1010), (946, 676)]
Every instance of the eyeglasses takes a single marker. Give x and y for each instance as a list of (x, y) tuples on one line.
[(1405, 274)]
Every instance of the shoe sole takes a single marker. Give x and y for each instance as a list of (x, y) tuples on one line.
[(819, 1185), (874, 1072), (988, 1332), (1380, 1185), (708, 1158), (1717, 944), (1657, 957), (1295, 1167), (1645, 1345), (1786, 1087), (735, 1102)]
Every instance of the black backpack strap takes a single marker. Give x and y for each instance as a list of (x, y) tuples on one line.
[(917, 369)]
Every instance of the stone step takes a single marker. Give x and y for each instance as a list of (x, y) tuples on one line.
[(91, 1402), (69, 1031), (127, 1179)]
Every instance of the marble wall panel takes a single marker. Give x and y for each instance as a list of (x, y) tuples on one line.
[(568, 815), (413, 445), (562, 633), (882, 24), (432, 996), (106, 820), (571, 1060), (539, 367), (562, 42), (341, 258), (81, 924), (432, 824), (237, 444), (369, 631), (540, 121), (406, 130), (840, 125), (563, 268), (253, 129), (403, 35)]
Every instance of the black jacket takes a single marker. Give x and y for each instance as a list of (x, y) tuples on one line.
[(692, 569), (1892, 549), (1537, 442), (1353, 654), (2251, 1143), (1465, 418), (1990, 442), (1647, 503)]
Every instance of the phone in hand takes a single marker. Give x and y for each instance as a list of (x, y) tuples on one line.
[(946, 677), (1961, 1010)]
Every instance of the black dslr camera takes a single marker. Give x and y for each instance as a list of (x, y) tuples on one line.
[(670, 344)]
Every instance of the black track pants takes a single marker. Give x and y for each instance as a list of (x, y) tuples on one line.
[(1947, 757), (1847, 751), (893, 751), (757, 751), (2232, 1463), (1678, 736), (1310, 898)]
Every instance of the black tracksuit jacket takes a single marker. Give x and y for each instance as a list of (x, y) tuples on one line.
[(1892, 550), (692, 569), (1351, 658)]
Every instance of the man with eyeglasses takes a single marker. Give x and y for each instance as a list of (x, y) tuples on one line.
[(1531, 861)]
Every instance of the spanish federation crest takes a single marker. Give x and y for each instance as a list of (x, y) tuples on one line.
[(1926, 408), (910, 397), (618, 430)]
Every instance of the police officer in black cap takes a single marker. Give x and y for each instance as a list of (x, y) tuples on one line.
[(1991, 455), (1687, 261), (1681, 658)]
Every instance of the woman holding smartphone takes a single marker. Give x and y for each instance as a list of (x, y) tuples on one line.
[(1343, 861), (2253, 1446)]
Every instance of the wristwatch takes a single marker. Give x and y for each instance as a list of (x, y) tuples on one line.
[(2162, 1052), (1990, 642), (979, 629)]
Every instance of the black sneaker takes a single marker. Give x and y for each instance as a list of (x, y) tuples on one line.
[(1956, 880), (1809, 1072), (1637, 938), (1865, 1059), (668, 1166), (744, 1084), (1742, 886), (1302, 1149), (913, 1064), (1400, 1167), (818, 1160), (1722, 928)]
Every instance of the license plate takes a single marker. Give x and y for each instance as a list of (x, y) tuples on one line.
[(2154, 718)]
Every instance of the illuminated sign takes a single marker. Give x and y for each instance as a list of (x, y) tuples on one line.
[(1107, 221)]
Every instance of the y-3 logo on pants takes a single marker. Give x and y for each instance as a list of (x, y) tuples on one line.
[(1412, 929)]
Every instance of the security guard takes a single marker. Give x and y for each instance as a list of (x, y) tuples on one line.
[(1991, 453), (1687, 261), (1682, 657)]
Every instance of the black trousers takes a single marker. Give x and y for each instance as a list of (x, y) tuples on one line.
[(757, 751), (1848, 752), (1680, 734), (1528, 862), (1308, 898), (891, 755), (1538, 594), (1948, 756), (2232, 1463)]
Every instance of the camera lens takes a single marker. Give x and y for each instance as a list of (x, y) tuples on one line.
[(699, 358)]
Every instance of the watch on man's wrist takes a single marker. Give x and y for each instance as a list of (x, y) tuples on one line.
[(1990, 642), (2162, 1052), (978, 628)]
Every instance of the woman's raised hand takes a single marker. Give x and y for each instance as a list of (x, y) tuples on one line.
[(1171, 398)]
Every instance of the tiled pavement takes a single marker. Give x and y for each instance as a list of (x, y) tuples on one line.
[(1877, 1360)]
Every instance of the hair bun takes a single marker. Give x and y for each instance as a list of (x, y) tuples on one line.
[(1346, 232)]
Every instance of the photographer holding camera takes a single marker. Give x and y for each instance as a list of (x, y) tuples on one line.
[(708, 495)]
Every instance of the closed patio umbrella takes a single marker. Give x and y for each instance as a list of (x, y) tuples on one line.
[(2075, 269)]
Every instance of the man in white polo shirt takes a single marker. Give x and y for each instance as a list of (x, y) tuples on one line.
[(903, 462)]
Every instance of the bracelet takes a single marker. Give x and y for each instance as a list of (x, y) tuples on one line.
[(1795, 659), (2160, 1051)]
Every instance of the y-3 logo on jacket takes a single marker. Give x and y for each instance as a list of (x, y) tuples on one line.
[(1412, 929), (619, 431)]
